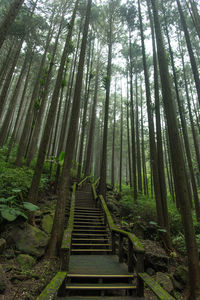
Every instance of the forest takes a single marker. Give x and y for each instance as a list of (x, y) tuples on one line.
[(100, 113)]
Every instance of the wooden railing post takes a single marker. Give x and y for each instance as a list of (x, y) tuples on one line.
[(130, 256), (140, 269), (121, 248), (113, 243)]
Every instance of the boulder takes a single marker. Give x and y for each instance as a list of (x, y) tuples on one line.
[(25, 261), (29, 240), (181, 275), (165, 281), (47, 223), (3, 280), (155, 256), (2, 245)]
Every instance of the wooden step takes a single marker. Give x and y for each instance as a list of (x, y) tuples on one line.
[(90, 226), (91, 245), (87, 208), (85, 286), (88, 217), (132, 276), (91, 250), (88, 222), (89, 234), (101, 298), (88, 213), (92, 240), (90, 230)]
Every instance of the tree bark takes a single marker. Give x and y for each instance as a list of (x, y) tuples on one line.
[(59, 219), (178, 162)]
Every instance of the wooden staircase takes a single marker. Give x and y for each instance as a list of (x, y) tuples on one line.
[(94, 263), (91, 250)]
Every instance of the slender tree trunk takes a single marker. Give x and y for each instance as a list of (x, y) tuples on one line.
[(58, 225), (9, 19), (113, 141), (102, 184), (138, 137), (121, 146), (9, 76), (184, 129), (161, 172), (153, 150), (178, 162), (128, 136), (33, 192), (92, 123), (190, 51), (144, 169), (132, 113), (85, 109), (13, 101)]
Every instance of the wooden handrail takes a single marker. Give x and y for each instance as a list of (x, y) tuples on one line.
[(82, 181), (55, 285), (155, 287), (135, 257), (137, 246), (97, 181), (67, 236)]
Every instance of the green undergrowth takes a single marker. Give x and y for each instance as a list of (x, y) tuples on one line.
[(144, 210)]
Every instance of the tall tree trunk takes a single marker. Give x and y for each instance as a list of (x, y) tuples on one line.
[(59, 219), (92, 123), (102, 184), (153, 150), (128, 136), (161, 172), (113, 140), (13, 101), (138, 136), (190, 51), (9, 76), (121, 145), (9, 19), (132, 114), (178, 162), (33, 192), (85, 109), (184, 127)]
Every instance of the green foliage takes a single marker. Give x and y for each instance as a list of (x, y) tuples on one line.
[(106, 82), (37, 104), (12, 207), (61, 158)]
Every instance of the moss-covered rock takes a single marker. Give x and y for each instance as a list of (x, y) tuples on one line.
[(47, 223), (165, 281), (181, 274), (2, 245), (30, 240), (25, 261)]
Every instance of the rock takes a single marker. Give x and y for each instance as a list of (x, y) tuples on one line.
[(47, 223), (155, 256), (30, 240), (165, 281), (3, 280), (181, 275), (150, 271), (25, 261), (2, 245), (177, 284)]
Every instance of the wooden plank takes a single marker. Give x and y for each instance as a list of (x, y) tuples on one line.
[(50, 291), (155, 287), (118, 286)]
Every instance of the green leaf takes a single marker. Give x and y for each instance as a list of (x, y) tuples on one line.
[(8, 214), (61, 158), (153, 223), (17, 191), (162, 230), (30, 206)]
